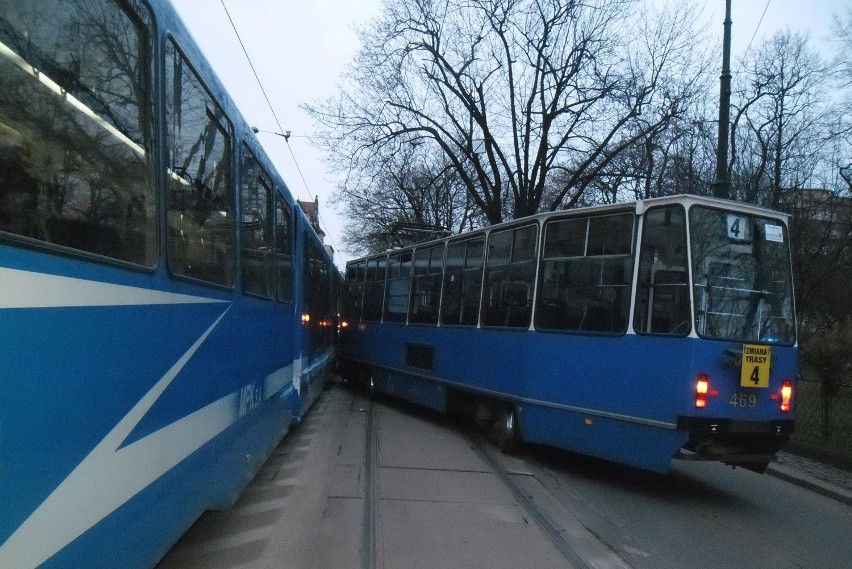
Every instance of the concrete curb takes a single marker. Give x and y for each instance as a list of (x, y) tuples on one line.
[(811, 483)]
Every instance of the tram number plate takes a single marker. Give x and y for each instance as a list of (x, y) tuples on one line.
[(743, 400), (755, 367)]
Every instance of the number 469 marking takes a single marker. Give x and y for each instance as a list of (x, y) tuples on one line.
[(743, 400)]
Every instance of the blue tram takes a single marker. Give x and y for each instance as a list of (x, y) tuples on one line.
[(635, 332), (165, 306)]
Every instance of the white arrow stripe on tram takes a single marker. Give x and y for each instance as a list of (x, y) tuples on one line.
[(26, 289), (110, 476)]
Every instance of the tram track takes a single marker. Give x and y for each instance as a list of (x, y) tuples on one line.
[(577, 545), (537, 507), (370, 491)]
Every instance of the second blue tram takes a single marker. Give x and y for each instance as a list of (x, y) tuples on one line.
[(635, 332)]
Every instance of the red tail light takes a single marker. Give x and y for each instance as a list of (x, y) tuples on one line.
[(786, 395), (702, 387)]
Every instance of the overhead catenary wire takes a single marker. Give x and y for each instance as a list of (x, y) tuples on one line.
[(754, 35), (274, 116)]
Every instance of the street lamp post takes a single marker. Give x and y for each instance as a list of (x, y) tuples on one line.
[(721, 188)]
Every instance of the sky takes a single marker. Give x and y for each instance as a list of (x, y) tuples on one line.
[(299, 48)]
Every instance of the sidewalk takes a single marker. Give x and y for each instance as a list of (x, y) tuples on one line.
[(818, 477)]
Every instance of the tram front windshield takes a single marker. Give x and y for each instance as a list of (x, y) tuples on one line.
[(741, 277)]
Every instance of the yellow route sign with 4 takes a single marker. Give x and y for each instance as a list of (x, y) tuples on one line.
[(755, 366)]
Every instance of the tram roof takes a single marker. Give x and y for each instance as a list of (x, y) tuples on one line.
[(638, 207)]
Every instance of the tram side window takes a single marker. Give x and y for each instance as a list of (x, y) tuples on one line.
[(200, 197), (586, 272), (317, 297), (283, 250), (398, 287), (462, 283), (662, 292), (258, 263), (353, 291), (374, 289), (426, 284), (76, 160), (510, 277)]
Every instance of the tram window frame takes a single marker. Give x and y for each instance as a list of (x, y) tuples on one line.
[(742, 283), (43, 196), (588, 293), (372, 303), (397, 287), (509, 277), (662, 305), (426, 285), (462, 284), (283, 249), (186, 243), (316, 296), (353, 291), (257, 256)]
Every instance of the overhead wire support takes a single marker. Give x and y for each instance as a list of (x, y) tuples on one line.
[(285, 134), (256, 76)]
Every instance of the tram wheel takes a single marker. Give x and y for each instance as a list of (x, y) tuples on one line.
[(508, 435)]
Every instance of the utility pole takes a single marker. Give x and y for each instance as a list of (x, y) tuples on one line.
[(721, 187)]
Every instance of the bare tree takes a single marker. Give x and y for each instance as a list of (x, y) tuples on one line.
[(525, 99), (781, 120), (411, 197), (842, 29)]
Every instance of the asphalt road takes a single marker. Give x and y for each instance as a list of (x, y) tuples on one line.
[(699, 515)]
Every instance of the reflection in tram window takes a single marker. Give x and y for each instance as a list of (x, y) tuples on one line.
[(741, 277), (256, 203), (200, 204), (75, 128), (283, 250)]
